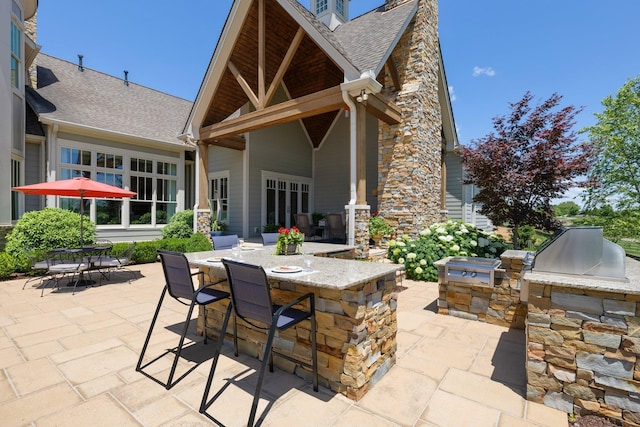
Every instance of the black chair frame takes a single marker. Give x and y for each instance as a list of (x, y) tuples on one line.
[(294, 316), (202, 296)]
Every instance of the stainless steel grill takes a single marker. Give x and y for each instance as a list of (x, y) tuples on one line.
[(581, 251), (472, 270)]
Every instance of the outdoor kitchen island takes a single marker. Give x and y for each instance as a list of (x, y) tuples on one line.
[(355, 313)]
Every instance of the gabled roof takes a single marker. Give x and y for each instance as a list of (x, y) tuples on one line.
[(322, 59), (369, 39), (97, 101)]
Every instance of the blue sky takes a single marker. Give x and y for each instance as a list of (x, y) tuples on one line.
[(494, 51)]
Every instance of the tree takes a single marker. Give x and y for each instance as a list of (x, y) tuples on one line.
[(567, 209), (615, 175), (531, 158)]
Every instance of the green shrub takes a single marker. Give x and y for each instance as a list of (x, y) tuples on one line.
[(452, 238), (6, 265), (145, 252), (198, 242), (48, 229), (180, 226)]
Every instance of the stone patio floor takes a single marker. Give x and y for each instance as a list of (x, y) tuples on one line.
[(69, 360)]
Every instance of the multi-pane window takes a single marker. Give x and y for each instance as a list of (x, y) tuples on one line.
[(220, 198), (166, 191), (321, 6), (74, 163), (340, 7), (16, 44), (142, 183), (16, 207), (109, 171)]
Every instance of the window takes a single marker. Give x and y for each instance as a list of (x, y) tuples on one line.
[(142, 183), (284, 196), (321, 6), (16, 43), (74, 163), (166, 192), (108, 171), (340, 7), (220, 197), (16, 205)]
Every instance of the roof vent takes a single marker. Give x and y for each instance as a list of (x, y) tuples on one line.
[(80, 67), (126, 78)]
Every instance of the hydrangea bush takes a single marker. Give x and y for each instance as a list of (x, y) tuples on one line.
[(451, 238)]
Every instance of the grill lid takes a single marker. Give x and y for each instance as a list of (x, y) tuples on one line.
[(581, 251)]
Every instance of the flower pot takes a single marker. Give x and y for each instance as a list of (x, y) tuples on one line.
[(376, 239), (290, 249)]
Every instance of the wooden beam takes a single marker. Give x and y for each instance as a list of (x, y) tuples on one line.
[(383, 109), (203, 178), (244, 85), (361, 155), (284, 66), (393, 72), (232, 142), (288, 111), (261, 54)]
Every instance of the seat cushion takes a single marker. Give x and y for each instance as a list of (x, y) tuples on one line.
[(209, 295)]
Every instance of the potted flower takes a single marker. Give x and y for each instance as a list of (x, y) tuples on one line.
[(217, 227), (378, 228), (289, 241)]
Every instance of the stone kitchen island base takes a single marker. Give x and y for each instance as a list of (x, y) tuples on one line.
[(355, 313)]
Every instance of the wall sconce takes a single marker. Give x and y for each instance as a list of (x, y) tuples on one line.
[(363, 96)]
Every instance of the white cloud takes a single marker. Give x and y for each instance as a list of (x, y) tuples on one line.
[(452, 96), (478, 71)]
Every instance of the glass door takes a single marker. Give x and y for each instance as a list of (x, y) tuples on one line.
[(285, 196)]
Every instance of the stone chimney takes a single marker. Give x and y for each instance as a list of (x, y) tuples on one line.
[(31, 31), (410, 153)]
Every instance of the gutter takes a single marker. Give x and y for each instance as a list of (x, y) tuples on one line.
[(355, 88)]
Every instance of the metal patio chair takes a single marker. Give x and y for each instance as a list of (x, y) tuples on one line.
[(335, 228), (107, 264), (251, 302), (62, 263), (225, 242), (179, 285), (269, 239)]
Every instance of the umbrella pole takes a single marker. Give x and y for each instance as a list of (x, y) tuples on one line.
[(81, 215)]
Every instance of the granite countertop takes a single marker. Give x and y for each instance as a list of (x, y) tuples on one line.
[(327, 272), (632, 273)]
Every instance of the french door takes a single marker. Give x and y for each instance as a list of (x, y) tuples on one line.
[(283, 196)]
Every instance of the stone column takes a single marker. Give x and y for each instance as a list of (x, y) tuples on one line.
[(410, 153)]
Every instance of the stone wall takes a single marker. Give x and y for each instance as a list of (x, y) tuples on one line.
[(498, 304), (409, 165), (582, 351), (356, 334)]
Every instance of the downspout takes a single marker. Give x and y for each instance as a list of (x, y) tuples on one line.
[(352, 166)]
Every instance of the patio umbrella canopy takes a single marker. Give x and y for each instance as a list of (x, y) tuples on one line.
[(76, 187)]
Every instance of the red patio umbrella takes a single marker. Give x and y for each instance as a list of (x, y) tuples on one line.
[(76, 187)]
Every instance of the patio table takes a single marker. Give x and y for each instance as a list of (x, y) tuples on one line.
[(355, 310)]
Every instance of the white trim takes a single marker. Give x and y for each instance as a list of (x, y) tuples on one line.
[(265, 175)]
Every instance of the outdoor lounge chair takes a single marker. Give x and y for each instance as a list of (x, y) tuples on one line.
[(336, 229), (179, 285), (251, 302), (305, 226)]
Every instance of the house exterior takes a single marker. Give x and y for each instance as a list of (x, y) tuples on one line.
[(352, 117), (325, 114)]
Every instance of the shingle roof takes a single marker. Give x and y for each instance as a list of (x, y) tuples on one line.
[(367, 39), (100, 101)]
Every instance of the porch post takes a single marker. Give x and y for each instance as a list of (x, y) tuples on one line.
[(202, 211), (361, 208)]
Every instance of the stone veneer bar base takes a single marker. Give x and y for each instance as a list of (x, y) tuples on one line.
[(498, 304), (356, 335), (583, 343)]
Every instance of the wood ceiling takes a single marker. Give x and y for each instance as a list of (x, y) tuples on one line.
[(272, 50)]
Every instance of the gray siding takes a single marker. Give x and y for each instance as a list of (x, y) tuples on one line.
[(33, 175), (454, 186)]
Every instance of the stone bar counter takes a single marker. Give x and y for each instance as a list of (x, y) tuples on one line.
[(355, 311), (583, 343)]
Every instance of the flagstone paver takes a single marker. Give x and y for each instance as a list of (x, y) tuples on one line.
[(69, 360)]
